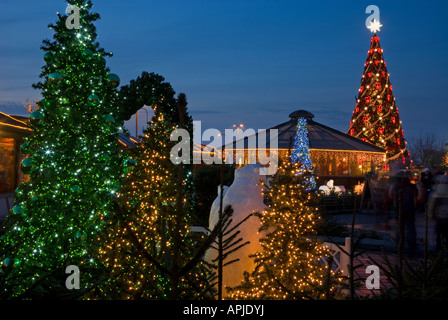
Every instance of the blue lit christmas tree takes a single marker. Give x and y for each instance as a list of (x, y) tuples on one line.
[(301, 151)]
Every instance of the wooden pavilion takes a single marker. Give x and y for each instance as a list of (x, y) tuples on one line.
[(335, 155)]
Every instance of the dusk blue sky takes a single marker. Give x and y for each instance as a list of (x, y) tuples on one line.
[(250, 62)]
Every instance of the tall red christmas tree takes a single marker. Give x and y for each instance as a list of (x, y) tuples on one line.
[(375, 118)]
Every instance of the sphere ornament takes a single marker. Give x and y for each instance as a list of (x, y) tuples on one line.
[(82, 235), (55, 77), (25, 147), (27, 165), (114, 80), (36, 115), (87, 54), (94, 100), (17, 209), (109, 118), (48, 57)]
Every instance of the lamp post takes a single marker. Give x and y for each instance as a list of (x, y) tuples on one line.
[(238, 129), (136, 125), (238, 156), (136, 120), (147, 117)]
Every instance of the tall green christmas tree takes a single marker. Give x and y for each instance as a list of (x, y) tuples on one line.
[(73, 163), (291, 264), (376, 118)]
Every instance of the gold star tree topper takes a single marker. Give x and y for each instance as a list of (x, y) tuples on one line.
[(375, 26)]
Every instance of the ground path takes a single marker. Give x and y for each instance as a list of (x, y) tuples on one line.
[(384, 226)]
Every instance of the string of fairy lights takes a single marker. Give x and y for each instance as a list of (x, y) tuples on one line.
[(291, 264), (376, 118), (301, 150), (72, 160), (65, 214), (150, 212)]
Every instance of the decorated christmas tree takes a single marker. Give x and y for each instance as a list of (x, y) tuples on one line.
[(150, 89), (291, 264), (150, 251), (301, 147), (73, 163), (376, 118)]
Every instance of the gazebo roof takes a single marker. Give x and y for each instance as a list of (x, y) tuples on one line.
[(19, 125), (320, 137)]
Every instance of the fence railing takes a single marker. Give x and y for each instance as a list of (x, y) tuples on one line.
[(341, 259), (343, 203)]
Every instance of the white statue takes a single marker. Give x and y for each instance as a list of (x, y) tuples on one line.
[(245, 196), (326, 189)]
